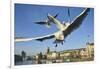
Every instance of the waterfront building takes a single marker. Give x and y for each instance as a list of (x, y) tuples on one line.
[(90, 50), (81, 53)]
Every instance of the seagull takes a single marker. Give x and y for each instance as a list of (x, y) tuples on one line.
[(46, 22), (64, 29)]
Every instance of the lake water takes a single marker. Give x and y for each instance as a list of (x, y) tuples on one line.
[(29, 62)]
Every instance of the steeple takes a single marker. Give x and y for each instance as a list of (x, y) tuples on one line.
[(48, 50)]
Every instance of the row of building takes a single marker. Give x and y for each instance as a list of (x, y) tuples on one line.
[(84, 53), (81, 53)]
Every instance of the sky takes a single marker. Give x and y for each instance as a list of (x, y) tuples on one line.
[(26, 15)]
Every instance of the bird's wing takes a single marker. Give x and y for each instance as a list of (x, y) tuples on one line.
[(55, 16), (56, 21), (42, 23), (36, 38), (76, 22), (69, 15)]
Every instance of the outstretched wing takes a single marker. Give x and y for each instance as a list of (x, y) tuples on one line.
[(36, 38), (59, 25), (55, 15), (76, 22), (42, 23)]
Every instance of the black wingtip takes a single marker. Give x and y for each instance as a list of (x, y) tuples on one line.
[(56, 15), (87, 10), (39, 40), (41, 23)]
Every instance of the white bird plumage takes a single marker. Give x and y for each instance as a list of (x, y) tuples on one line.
[(64, 29)]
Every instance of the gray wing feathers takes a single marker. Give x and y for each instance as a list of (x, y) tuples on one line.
[(77, 22), (36, 38)]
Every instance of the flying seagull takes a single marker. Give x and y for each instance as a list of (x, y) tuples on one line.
[(47, 22), (64, 29)]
